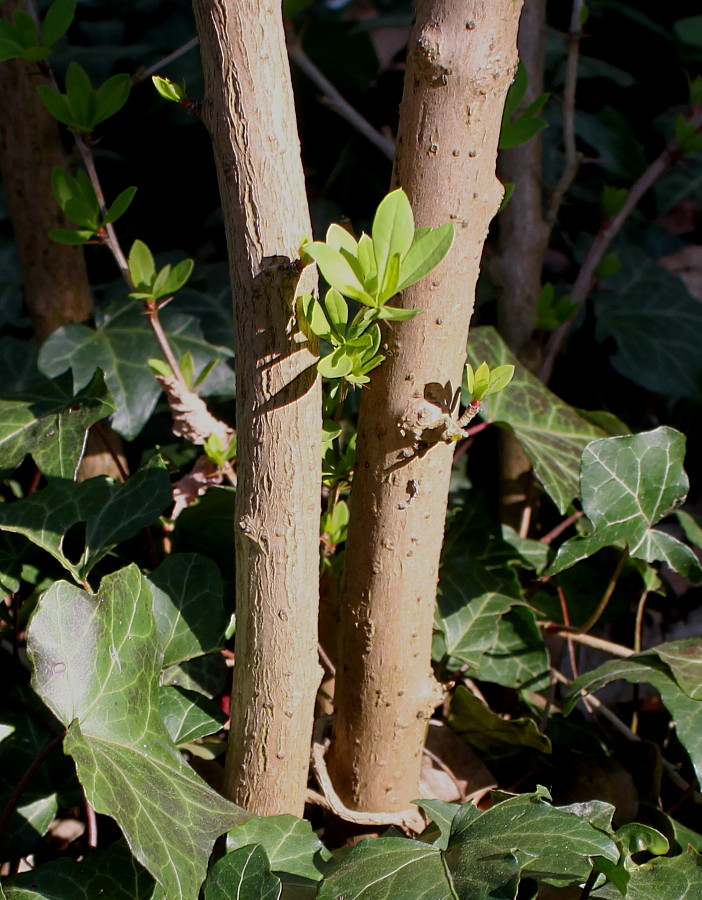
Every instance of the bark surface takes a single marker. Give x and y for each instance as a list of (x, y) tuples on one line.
[(56, 287), (250, 114), (462, 57)]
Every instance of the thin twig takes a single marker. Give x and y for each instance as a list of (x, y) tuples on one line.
[(598, 248), (24, 781), (566, 630), (167, 60), (334, 100), (589, 640), (101, 432), (561, 527), (92, 829), (592, 620), (572, 158)]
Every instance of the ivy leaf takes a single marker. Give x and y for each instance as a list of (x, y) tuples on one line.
[(551, 433), (112, 513), (656, 324), (244, 874), (111, 873), (187, 606), (188, 715), (684, 659), (518, 656), (666, 878), (393, 231), (51, 422), (291, 845), (650, 668), (629, 483), (490, 734), (96, 665), (121, 344), (486, 854)]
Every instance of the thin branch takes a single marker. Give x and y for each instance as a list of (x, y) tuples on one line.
[(333, 99), (589, 640), (92, 829), (572, 157), (167, 60), (561, 527), (585, 278)]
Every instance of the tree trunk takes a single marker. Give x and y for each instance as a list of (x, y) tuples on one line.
[(55, 280), (56, 288), (521, 246), (250, 114), (462, 57)]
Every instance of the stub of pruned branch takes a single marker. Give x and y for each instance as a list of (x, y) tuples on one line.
[(191, 418)]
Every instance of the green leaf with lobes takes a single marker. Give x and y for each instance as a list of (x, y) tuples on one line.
[(112, 513), (628, 484), (244, 874), (97, 663)]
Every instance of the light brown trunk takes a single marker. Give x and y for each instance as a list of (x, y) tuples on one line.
[(461, 61), (517, 265), (250, 113)]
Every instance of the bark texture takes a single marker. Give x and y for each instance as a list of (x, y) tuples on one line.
[(250, 114), (461, 61), (56, 285), (516, 268)]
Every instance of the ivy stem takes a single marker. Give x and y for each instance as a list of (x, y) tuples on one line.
[(561, 527), (16, 795), (609, 590), (589, 884)]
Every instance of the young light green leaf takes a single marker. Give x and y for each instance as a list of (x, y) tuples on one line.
[(316, 317), (56, 104), (180, 273), (62, 185), (425, 254), (337, 311), (499, 379), (141, 266), (393, 230), (25, 29), (80, 97), (338, 272), (205, 372), (390, 279), (160, 367), (516, 92), (187, 367), (67, 236), (120, 205), (82, 213), (470, 379), (330, 430), (340, 239), (168, 89), (366, 259), (519, 132), (9, 48), (336, 365), (57, 20), (111, 96), (396, 314), (160, 286), (482, 380), (635, 837)]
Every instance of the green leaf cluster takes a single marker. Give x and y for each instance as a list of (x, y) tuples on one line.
[(23, 39), (519, 130), (83, 107), (370, 270), (151, 285), (77, 199), (482, 382), (552, 311)]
